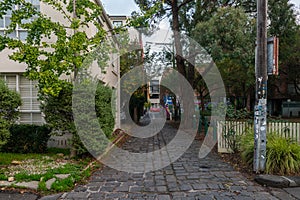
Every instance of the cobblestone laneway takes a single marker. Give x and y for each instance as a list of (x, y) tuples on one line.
[(187, 178)]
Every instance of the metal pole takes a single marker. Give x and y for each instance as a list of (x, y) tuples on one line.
[(260, 114)]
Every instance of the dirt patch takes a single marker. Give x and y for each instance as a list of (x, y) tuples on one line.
[(234, 159)]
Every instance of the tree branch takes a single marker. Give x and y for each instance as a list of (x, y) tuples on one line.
[(169, 2), (184, 3)]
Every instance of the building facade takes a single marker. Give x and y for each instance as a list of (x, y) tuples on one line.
[(13, 72)]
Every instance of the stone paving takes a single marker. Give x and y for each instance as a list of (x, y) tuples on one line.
[(187, 178)]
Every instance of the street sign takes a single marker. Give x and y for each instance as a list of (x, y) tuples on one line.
[(272, 55)]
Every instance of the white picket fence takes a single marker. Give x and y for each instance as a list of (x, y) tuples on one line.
[(286, 129)]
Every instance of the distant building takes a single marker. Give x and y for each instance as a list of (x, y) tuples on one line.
[(118, 20), (154, 92), (291, 109)]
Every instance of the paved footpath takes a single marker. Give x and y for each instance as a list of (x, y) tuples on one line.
[(187, 178)]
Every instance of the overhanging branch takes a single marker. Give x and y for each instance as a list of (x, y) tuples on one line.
[(184, 3)]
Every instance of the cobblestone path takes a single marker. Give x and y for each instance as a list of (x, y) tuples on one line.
[(187, 178)]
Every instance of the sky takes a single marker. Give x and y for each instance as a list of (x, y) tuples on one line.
[(296, 2), (125, 7), (120, 7)]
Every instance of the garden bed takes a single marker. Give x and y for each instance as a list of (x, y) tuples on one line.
[(44, 173)]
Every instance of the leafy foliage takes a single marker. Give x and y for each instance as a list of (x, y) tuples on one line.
[(151, 13), (50, 51), (104, 109), (231, 46), (59, 115), (235, 114), (55, 51), (9, 103), (27, 139), (247, 146), (283, 154), (283, 24), (58, 110)]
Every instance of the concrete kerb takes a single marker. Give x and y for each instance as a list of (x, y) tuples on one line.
[(114, 144), (278, 181)]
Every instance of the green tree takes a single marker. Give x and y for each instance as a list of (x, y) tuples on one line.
[(9, 103), (283, 24), (54, 48), (293, 63), (154, 11), (184, 15), (56, 51), (229, 38)]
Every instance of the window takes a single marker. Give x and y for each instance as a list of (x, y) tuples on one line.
[(154, 85), (29, 94), (30, 109), (19, 32), (154, 96), (291, 89), (117, 23), (11, 81)]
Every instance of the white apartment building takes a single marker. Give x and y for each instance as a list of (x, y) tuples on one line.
[(154, 92), (118, 20), (12, 72)]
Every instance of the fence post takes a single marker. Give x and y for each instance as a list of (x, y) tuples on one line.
[(205, 125), (200, 124)]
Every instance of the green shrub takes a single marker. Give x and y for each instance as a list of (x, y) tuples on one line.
[(247, 146), (59, 115), (104, 109), (89, 119), (231, 138), (27, 138), (9, 103), (235, 114), (58, 110), (283, 154)]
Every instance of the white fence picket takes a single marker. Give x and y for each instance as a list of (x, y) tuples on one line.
[(285, 129)]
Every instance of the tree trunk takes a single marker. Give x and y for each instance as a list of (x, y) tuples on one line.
[(248, 100), (191, 65), (178, 47), (135, 115)]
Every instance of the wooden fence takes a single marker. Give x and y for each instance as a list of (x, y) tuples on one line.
[(285, 129)]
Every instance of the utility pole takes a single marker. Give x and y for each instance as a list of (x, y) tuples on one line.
[(260, 114)]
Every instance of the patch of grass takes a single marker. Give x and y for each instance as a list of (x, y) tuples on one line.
[(61, 185), (47, 176), (67, 169), (7, 158), (72, 169), (54, 151), (87, 173), (23, 176), (42, 186), (43, 167), (3, 176)]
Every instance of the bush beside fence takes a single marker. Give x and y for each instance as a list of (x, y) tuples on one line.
[(285, 129)]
